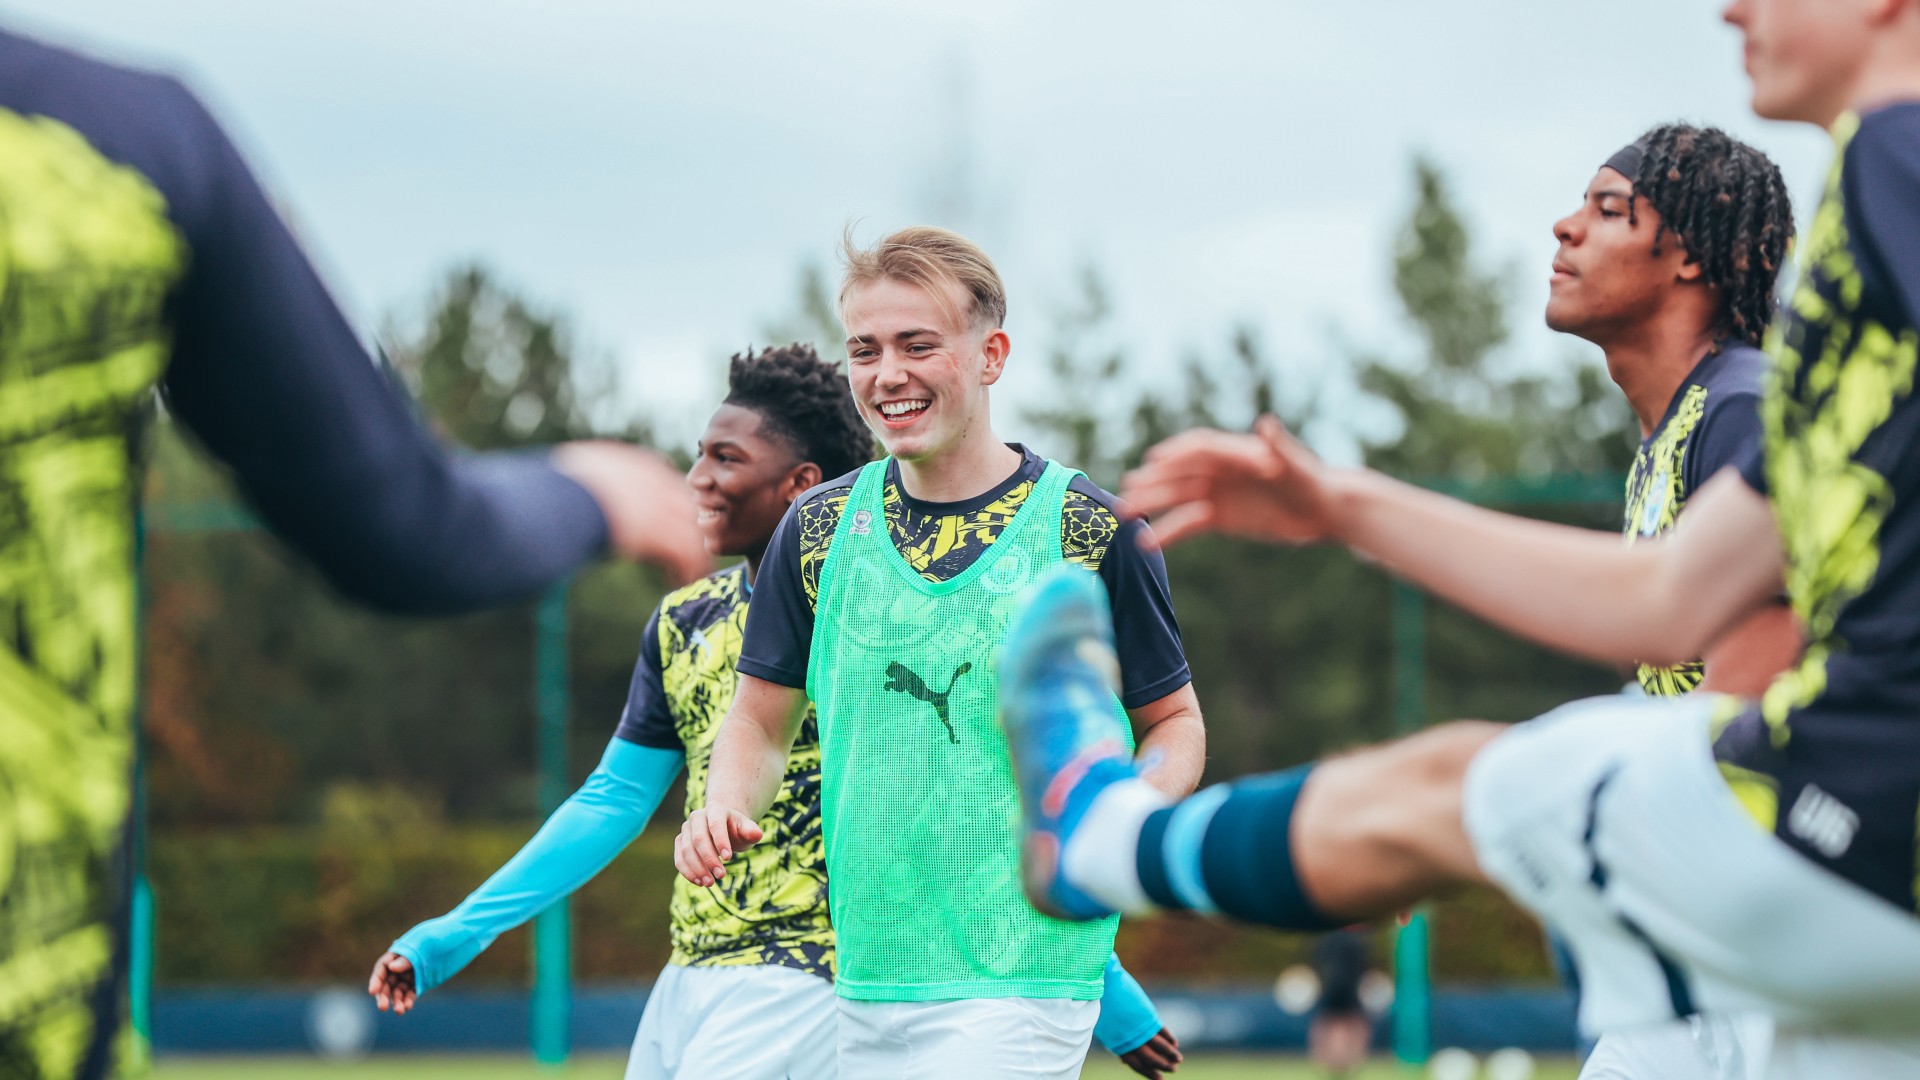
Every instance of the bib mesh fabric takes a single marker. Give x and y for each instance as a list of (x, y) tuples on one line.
[(920, 807)]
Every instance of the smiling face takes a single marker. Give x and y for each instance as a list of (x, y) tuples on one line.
[(918, 369), (1804, 56), (1605, 276), (743, 480)]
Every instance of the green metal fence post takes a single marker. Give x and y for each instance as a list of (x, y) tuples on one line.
[(1412, 981), (552, 930), (140, 934), (1413, 992)]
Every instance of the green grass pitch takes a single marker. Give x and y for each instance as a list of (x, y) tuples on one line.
[(1198, 1067)]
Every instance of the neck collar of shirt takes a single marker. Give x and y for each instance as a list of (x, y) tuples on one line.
[(1031, 466)]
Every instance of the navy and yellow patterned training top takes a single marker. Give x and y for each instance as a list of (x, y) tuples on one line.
[(1830, 760), (771, 908), (136, 249), (941, 540), (1712, 423)]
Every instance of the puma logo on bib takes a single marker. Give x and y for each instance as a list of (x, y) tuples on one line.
[(902, 679)]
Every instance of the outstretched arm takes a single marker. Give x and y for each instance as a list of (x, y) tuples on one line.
[(1130, 1028), (1661, 602), (1746, 658), (272, 379), (576, 843), (749, 762)]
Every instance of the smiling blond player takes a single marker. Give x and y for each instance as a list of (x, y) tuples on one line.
[(884, 596)]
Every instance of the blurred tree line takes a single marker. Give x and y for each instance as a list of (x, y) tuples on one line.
[(270, 703)]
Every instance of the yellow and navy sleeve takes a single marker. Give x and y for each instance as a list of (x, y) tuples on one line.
[(1729, 432), (1146, 634), (647, 718), (271, 378), (1882, 174), (136, 248), (1826, 758), (779, 633)]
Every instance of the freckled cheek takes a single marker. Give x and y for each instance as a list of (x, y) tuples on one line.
[(947, 374)]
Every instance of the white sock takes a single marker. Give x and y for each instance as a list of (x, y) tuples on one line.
[(1100, 856)]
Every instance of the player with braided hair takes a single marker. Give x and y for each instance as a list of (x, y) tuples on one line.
[(1727, 205), (1669, 265)]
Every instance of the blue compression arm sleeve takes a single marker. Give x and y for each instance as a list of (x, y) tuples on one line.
[(576, 843), (1127, 1019)]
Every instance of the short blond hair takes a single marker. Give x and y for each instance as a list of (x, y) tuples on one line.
[(929, 257)]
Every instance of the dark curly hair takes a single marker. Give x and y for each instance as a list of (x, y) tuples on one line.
[(805, 402), (1727, 204)]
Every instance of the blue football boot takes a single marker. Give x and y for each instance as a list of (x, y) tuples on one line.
[(1058, 676)]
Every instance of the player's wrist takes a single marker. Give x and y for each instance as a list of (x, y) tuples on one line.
[(727, 811), (1351, 500)]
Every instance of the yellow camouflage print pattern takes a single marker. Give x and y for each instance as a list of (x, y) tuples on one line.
[(1758, 793), (771, 908), (1838, 374), (87, 259), (940, 547), (1656, 490)]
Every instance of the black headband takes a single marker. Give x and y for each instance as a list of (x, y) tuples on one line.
[(1626, 161)]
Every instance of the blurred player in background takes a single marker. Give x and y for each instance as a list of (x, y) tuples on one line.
[(884, 596), (1700, 855), (136, 250), (748, 992), (1341, 1029)]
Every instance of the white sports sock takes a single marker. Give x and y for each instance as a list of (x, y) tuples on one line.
[(1100, 856)]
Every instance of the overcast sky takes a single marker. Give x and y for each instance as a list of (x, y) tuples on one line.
[(661, 171)]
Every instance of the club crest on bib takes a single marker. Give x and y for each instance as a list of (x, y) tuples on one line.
[(1010, 573), (862, 522)]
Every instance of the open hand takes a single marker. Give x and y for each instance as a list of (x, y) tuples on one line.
[(1156, 1056), (392, 984), (649, 509), (1264, 486), (708, 840)]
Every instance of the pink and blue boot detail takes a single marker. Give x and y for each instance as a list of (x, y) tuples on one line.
[(1058, 675)]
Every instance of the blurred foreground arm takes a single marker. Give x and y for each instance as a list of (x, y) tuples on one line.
[(1661, 602), (749, 762), (1746, 658), (267, 373), (577, 842)]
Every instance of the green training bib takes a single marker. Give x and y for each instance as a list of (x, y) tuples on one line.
[(921, 811)]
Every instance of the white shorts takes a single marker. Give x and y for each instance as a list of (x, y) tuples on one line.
[(759, 1022), (1016, 1038), (1744, 1048), (1609, 819), (1697, 1048)]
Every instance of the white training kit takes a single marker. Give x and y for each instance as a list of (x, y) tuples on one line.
[(756, 1022), (1610, 820), (1012, 1038)]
